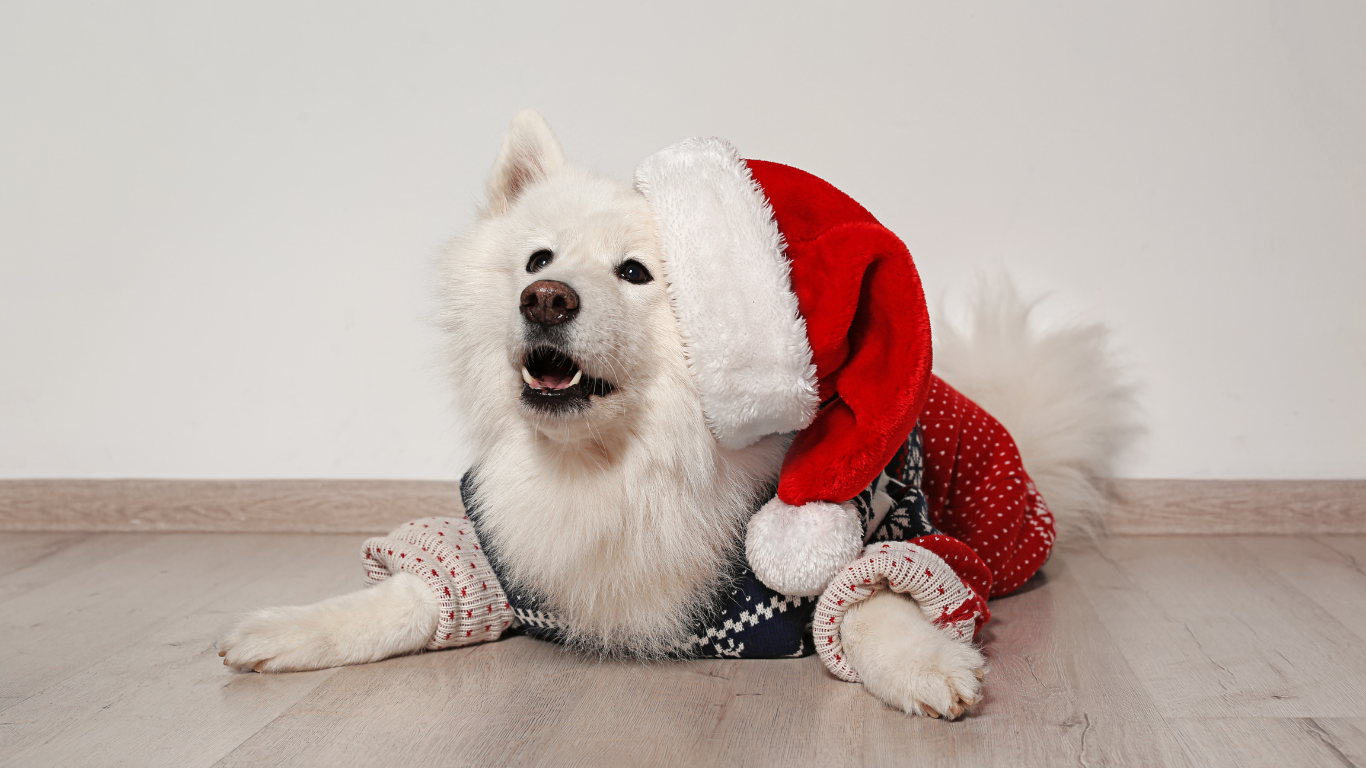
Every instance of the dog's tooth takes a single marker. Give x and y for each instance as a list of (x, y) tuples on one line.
[(577, 375), (526, 376)]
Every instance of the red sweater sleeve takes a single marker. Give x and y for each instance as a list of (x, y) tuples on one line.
[(977, 489)]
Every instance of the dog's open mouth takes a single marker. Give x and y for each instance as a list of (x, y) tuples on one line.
[(554, 382)]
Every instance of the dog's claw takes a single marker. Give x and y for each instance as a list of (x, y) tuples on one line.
[(931, 711), (980, 674)]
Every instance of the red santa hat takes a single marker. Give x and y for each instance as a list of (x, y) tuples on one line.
[(800, 313)]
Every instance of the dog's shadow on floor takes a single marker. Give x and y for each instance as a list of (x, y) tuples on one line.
[(1039, 579), (999, 622)]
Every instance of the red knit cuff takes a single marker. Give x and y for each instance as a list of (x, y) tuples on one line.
[(908, 569)]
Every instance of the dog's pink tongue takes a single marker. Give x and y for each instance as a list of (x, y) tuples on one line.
[(551, 381)]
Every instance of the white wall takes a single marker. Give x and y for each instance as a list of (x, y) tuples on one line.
[(217, 219)]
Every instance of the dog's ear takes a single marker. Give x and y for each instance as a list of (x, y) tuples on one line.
[(529, 154)]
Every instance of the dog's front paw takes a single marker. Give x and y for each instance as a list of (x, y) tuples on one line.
[(907, 662), (285, 639), (936, 679), (397, 616)]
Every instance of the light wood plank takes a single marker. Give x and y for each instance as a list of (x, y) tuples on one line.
[(48, 559), (67, 624), (232, 506), (1274, 742), (19, 551), (1236, 507), (1354, 547), (1146, 506), (519, 701), (384, 713), (710, 712), (1325, 568), (1212, 632), (165, 699)]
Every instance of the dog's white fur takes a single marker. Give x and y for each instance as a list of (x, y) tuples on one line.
[(903, 659), (620, 517), (398, 616), (1059, 394)]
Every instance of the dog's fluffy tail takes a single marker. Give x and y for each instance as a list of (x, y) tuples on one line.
[(1059, 393)]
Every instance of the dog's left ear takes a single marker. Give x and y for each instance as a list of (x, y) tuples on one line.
[(530, 153)]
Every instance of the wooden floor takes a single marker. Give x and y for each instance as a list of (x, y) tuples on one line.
[(1152, 651)]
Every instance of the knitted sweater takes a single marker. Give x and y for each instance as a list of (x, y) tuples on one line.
[(951, 521)]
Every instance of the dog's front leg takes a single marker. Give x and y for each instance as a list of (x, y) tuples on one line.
[(396, 616), (909, 663)]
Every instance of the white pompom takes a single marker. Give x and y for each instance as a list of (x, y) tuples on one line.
[(797, 550)]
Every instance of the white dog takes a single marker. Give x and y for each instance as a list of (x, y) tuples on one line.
[(597, 462)]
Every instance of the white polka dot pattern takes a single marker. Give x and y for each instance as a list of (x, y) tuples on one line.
[(978, 491)]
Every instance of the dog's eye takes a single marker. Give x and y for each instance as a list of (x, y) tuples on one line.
[(634, 272), (539, 260)]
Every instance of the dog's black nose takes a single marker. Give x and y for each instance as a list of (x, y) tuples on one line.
[(549, 302)]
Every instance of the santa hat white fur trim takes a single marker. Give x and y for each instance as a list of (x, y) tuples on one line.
[(728, 279), (798, 550)]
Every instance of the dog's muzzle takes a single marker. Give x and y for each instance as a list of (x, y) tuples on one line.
[(553, 382)]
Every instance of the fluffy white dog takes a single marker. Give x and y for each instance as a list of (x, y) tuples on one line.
[(597, 460)]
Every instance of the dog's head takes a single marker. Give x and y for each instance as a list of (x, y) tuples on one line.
[(554, 304)]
